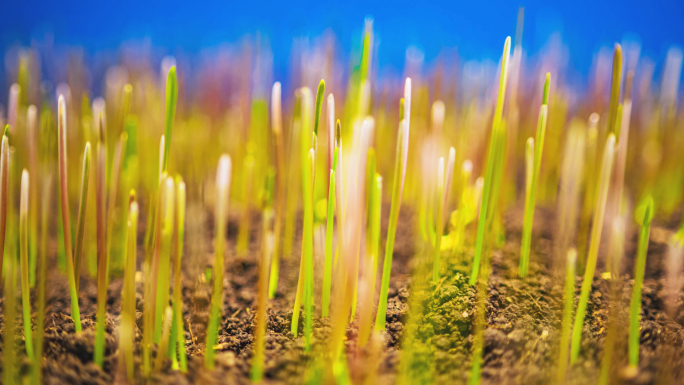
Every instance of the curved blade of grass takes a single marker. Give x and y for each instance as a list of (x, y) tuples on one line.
[(639, 271), (399, 178), (491, 160), (171, 99), (531, 195), (64, 197), (597, 229), (223, 176), (82, 205), (327, 270)]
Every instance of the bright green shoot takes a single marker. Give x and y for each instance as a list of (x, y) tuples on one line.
[(370, 267), (257, 370), (308, 251), (23, 251), (443, 189), (164, 271), (276, 123), (4, 183), (127, 337), (596, 230), (639, 270), (171, 99), (613, 115), (401, 160), (568, 302), (223, 176), (83, 203), (531, 193), (64, 198), (177, 329), (319, 105), (42, 273), (164, 342), (492, 157), (327, 270), (102, 267)]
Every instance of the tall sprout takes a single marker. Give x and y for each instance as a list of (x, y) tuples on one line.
[(566, 325), (24, 256), (531, 194), (495, 151), (277, 127), (223, 176), (83, 204), (127, 333), (177, 328), (32, 144), (267, 238), (639, 270), (64, 198), (443, 192), (401, 159), (597, 229)]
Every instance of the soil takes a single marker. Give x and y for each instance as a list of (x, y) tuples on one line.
[(521, 338)]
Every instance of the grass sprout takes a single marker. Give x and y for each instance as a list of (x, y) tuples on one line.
[(639, 271), (597, 229), (223, 176), (397, 191), (530, 195)]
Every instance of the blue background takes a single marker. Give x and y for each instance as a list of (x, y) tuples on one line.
[(476, 28)]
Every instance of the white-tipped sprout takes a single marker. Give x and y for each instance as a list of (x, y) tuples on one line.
[(437, 117), (331, 130), (276, 108), (407, 106), (13, 106)]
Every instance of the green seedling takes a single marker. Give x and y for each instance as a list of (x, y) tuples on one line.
[(177, 328), (164, 344), (32, 144), (597, 229), (102, 263), (400, 162), (327, 269), (83, 204), (42, 273), (171, 100), (257, 371), (566, 325), (531, 193), (443, 192), (616, 251), (9, 359), (277, 127), (495, 152), (370, 268), (639, 270), (163, 271), (23, 251), (127, 329), (64, 197), (223, 176)]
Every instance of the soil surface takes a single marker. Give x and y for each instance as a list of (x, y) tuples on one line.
[(521, 339)]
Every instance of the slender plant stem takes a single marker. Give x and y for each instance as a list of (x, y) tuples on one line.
[(64, 197), (639, 270), (597, 228)]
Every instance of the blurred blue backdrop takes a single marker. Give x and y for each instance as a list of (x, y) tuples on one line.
[(476, 28)]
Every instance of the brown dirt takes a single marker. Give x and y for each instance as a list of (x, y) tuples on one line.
[(521, 338)]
